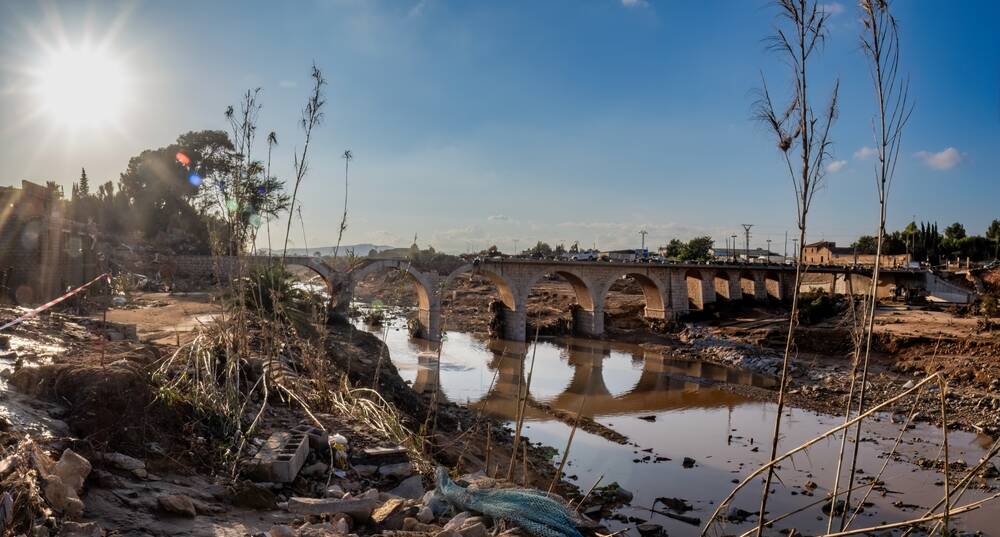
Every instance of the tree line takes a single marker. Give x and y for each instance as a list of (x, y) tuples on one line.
[(926, 243)]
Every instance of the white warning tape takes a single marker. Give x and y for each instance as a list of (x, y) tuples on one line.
[(55, 301)]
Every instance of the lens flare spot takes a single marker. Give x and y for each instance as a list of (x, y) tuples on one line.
[(182, 158), (194, 179), (255, 220)]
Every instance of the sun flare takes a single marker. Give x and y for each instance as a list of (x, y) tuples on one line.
[(82, 87)]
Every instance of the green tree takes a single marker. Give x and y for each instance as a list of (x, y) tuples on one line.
[(866, 244), (674, 249), (697, 249), (955, 231), (84, 188), (993, 232)]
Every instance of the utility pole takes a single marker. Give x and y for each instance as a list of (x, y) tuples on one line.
[(643, 233), (786, 246), (769, 251), (515, 247), (734, 248), (795, 248), (746, 229)]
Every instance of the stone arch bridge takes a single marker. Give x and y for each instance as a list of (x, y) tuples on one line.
[(669, 290)]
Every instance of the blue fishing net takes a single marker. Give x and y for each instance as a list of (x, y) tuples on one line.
[(532, 510)]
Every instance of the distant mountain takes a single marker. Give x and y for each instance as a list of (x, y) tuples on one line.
[(360, 250)]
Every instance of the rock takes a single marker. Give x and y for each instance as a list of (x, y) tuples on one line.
[(62, 497), (282, 531), (386, 509), (456, 521), (334, 491), (425, 515), (177, 504), (253, 496), (358, 509), (411, 488), (473, 530), (72, 469), (675, 504), (79, 529), (315, 469), (737, 515), (688, 462), (365, 470), (909, 384), (649, 528), (437, 504), (809, 485), (123, 462), (399, 470)]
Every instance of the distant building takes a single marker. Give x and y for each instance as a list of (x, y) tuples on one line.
[(755, 255), (41, 250), (828, 253)]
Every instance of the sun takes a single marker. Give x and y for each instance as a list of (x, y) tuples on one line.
[(81, 87)]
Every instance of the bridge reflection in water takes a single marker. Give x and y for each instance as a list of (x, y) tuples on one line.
[(654, 381)]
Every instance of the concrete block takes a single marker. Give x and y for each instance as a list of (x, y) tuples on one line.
[(318, 438), (281, 457)]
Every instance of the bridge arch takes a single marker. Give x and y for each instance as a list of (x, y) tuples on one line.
[(748, 284), (428, 302), (696, 289), (315, 266), (652, 291), (504, 287), (588, 317), (772, 283), (723, 286)]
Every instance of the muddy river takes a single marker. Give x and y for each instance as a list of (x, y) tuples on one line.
[(672, 408)]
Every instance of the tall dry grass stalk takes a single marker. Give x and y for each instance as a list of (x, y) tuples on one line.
[(312, 116), (880, 42), (522, 403), (803, 137)]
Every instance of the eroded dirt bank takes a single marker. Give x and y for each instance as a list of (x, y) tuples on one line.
[(92, 443)]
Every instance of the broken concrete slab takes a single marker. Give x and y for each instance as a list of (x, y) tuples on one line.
[(358, 509)]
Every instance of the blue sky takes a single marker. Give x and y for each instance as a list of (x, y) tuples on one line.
[(475, 123)]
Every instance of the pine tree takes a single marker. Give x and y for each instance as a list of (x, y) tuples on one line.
[(84, 183)]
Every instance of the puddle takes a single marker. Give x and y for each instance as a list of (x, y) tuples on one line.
[(672, 405)]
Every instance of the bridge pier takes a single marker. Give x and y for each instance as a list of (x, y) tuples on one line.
[(589, 323), (429, 320), (678, 288), (707, 288), (759, 287), (514, 323), (735, 289)]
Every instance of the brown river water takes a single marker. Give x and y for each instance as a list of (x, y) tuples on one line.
[(670, 407)]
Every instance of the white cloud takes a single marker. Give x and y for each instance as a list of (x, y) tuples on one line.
[(498, 218), (836, 166), (865, 153), (833, 8), (418, 8), (287, 84), (634, 3), (943, 160)]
